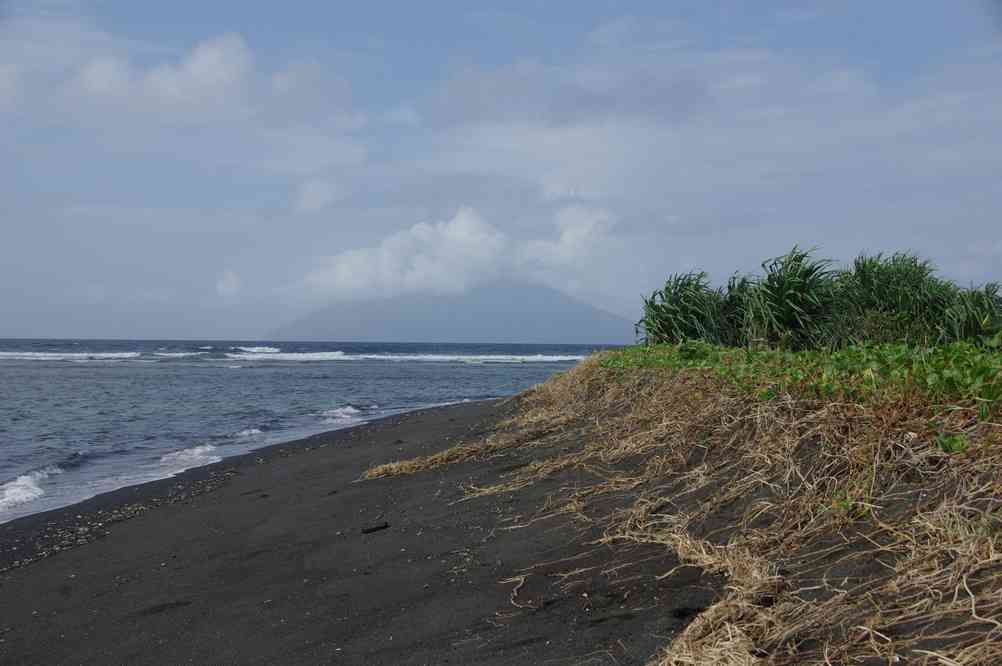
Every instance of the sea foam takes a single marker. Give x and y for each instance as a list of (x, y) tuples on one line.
[(467, 358), (418, 358), (258, 350), (67, 356), (341, 415), (196, 456), (25, 488), (289, 356)]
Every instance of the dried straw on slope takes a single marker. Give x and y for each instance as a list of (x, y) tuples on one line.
[(846, 533)]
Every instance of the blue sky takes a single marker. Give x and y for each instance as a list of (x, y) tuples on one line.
[(213, 169)]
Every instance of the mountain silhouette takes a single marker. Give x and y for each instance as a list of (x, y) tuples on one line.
[(502, 313)]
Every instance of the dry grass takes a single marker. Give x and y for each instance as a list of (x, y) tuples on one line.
[(846, 534), (455, 454)]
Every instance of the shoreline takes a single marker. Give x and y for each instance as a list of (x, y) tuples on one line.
[(284, 556), (50, 526), (295, 439)]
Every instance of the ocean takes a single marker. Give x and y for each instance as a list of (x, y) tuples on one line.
[(82, 417)]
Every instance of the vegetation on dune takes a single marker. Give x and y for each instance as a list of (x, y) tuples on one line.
[(958, 373), (826, 440), (800, 302), (886, 328), (861, 526)]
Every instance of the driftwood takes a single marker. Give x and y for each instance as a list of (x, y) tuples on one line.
[(375, 528)]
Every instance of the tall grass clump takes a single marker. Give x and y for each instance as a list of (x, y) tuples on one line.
[(893, 299), (974, 314), (687, 308), (792, 306), (800, 302)]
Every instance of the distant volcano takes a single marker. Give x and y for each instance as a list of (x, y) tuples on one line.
[(499, 313)]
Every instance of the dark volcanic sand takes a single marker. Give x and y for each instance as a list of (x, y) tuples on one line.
[(263, 559)]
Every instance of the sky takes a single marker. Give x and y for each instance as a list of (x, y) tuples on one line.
[(192, 169)]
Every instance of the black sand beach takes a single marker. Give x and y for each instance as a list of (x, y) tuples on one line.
[(281, 556)]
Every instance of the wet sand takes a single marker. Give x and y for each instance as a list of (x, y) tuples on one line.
[(283, 556)]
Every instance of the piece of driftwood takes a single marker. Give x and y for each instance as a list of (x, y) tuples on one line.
[(375, 528)]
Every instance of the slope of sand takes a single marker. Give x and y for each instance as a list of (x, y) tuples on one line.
[(282, 556)]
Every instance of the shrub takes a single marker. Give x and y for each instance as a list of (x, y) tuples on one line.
[(734, 311), (685, 309), (892, 299), (792, 305), (973, 314), (800, 302)]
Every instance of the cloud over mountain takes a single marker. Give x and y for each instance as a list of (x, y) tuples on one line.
[(460, 253)]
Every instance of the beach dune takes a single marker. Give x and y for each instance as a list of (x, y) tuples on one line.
[(283, 556)]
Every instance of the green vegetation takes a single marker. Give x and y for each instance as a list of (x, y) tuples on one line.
[(954, 373), (802, 303), (953, 443), (885, 327), (827, 440)]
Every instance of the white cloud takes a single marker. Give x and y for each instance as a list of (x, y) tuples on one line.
[(463, 252), (105, 77), (48, 46), (229, 284), (701, 156), (585, 259), (213, 72), (745, 151), (210, 104), (759, 125), (441, 257), (316, 194), (582, 232)]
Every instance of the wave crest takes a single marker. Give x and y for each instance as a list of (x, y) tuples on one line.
[(25, 488), (195, 456), (341, 414), (67, 356), (418, 358)]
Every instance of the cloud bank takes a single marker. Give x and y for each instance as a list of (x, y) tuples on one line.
[(596, 157), (460, 253)]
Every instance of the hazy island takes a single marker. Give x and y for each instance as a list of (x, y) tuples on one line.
[(495, 313)]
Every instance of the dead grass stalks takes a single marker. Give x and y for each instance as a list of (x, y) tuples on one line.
[(847, 533)]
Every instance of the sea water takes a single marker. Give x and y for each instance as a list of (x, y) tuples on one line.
[(82, 417)]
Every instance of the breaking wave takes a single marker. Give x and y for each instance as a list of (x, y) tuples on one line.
[(291, 356), (25, 488), (341, 415), (196, 456), (426, 358), (67, 356)]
